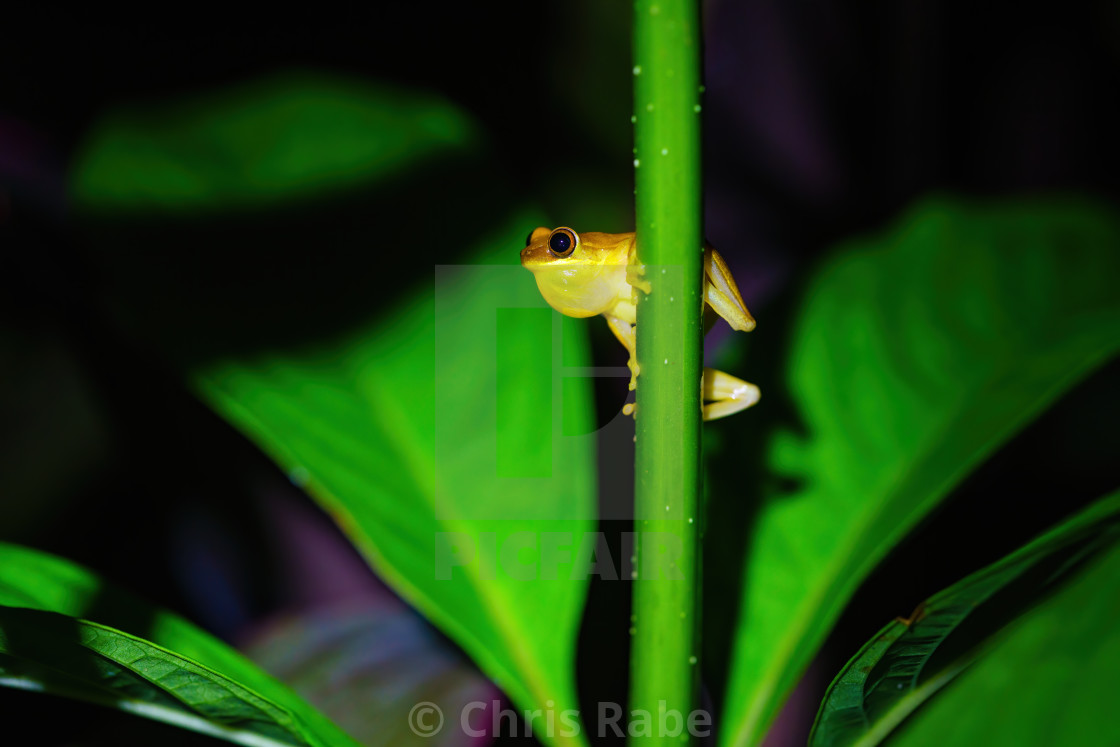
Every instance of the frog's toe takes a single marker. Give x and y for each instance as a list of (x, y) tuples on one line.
[(634, 276), (726, 395), (634, 371)]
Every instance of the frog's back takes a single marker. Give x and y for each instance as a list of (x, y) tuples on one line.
[(613, 247)]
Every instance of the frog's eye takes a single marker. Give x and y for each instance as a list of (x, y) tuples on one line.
[(563, 242)]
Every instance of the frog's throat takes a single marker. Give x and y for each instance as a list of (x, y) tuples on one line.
[(583, 293)]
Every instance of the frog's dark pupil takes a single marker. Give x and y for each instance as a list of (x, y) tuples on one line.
[(529, 239), (560, 242)]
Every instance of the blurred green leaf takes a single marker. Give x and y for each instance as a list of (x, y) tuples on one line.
[(436, 438), (917, 354), (286, 136), (176, 673), (1052, 680), (897, 671)]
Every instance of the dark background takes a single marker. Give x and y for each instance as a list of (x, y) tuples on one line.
[(822, 120)]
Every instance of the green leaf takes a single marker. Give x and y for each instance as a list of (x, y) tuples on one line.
[(897, 671), (176, 673), (448, 443), (1054, 676), (286, 136), (916, 355)]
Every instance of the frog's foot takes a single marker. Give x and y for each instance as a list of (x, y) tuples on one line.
[(724, 395), (632, 364), (630, 408), (722, 294), (635, 276)]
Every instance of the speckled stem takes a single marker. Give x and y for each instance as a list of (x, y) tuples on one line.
[(665, 643)]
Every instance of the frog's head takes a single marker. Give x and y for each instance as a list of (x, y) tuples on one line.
[(578, 276)]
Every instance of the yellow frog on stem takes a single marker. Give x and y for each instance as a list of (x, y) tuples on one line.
[(588, 274)]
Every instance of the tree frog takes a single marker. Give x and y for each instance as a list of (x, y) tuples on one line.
[(588, 274)]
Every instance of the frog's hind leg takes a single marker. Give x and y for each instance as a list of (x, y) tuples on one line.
[(722, 294), (724, 395)]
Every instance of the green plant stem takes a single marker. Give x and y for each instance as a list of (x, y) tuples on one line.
[(665, 645)]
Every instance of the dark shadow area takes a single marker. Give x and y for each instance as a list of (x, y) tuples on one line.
[(90, 725), (127, 524), (203, 288), (738, 479), (603, 661)]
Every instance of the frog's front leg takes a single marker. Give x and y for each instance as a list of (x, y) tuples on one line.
[(724, 395), (635, 277), (627, 335), (624, 328)]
